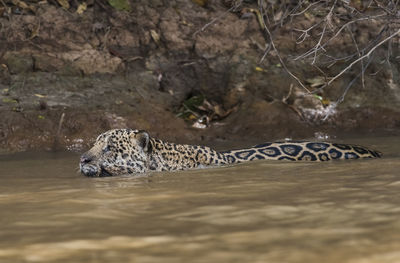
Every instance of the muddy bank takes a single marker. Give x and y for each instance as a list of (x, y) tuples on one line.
[(66, 77)]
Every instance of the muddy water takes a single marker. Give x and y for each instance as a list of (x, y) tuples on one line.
[(345, 211)]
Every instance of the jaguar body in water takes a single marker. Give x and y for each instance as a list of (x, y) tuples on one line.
[(127, 151)]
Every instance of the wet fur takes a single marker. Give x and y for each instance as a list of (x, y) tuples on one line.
[(125, 151)]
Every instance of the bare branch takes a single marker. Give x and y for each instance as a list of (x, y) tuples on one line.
[(359, 55), (311, 51), (305, 9), (361, 58), (318, 45), (305, 34), (277, 52), (341, 98)]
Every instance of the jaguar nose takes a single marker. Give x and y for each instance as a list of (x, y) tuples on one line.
[(86, 159)]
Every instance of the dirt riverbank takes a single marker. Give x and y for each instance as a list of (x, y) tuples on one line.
[(65, 77)]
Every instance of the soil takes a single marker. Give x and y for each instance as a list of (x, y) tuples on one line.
[(66, 77)]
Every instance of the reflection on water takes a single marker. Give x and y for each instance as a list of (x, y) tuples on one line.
[(256, 212)]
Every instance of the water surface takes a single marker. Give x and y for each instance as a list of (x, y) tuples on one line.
[(264, 211)]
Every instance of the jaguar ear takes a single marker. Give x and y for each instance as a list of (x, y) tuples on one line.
[(143, 139)]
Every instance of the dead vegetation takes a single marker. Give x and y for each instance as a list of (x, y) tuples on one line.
[(232, 66), (323, 31)]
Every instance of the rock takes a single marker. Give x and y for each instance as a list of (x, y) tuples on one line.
[(92, 61), (44, 62), (18, 62)]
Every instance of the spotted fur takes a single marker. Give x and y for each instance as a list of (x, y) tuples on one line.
[(125, 151)]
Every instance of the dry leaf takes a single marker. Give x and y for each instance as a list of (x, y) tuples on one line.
[(316, 82), (21, 4), (81, 8), (64, 4), (278, 16), (35, 31), (155, 36), (260, 69)]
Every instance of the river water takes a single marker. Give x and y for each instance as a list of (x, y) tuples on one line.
[(264, 211)]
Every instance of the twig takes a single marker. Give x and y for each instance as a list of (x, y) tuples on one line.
[(7, 9), (265, 53), (361, 58), (391, 12), (60, 123), (57, 137), (291, 14), (318, 45), (359, 55), (312, 50), (277, 52), (348, 57), (305, 34), (305, 10), (5, 6), (215, 19), (341, 98)]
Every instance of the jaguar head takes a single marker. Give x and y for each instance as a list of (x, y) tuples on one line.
[(117, 152)]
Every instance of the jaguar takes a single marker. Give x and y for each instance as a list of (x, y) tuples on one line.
[(128, 151)]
